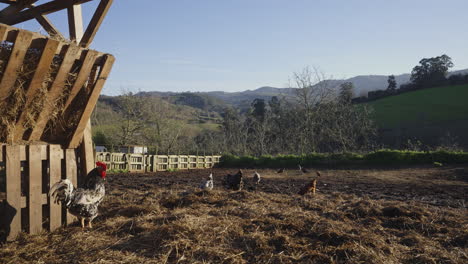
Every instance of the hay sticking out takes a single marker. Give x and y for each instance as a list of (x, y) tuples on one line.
[(12, 108)]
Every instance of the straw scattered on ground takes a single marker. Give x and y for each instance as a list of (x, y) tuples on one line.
[(415, 215)]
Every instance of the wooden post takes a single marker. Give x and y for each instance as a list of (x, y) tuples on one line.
[(71, 174), (55, 172), (35, 188), (13, 188)]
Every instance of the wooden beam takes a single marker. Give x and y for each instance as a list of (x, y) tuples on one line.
[(14, 8), (92, 100), (23, 39), (75, 23), (43, 66), (95, 22), (43, 9), (8, 1), (54, 92), (49, 27)]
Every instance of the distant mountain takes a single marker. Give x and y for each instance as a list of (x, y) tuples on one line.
[(218, 100)]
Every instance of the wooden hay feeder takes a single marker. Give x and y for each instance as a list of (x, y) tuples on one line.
[(48, 88)]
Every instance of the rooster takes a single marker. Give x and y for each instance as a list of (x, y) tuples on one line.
[(235, 181), (82, 202), (207, 185)]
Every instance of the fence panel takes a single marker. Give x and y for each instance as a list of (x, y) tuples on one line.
[(28, 172), (154, 163)]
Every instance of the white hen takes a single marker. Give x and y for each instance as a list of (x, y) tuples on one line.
[(207, 184)]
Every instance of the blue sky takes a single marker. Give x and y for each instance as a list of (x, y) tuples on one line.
[(235, 45)]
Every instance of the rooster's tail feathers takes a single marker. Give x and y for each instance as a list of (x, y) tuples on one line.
[(62, 191)]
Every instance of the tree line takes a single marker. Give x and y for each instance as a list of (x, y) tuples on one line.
[(320, 118)]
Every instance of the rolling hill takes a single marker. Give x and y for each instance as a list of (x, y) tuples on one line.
[(429, 115)]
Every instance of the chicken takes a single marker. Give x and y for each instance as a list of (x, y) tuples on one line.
[(256, 178), (302, 169), (311, 187), (82, 202), (280, 170), (207, 185), (235, 181)]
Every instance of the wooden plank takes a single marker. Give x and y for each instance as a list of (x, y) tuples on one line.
[(22, 152), (95, 22), (75, 23), (13, 188), (47, 56), (3, 32), (44, 9), (87, 151), (55, 172), (54, 92), (22, 41), (35, 188), (103, 75), (44, 200), (83, 76), (71, 174)]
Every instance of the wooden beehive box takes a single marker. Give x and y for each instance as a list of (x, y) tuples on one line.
[(48, 87)]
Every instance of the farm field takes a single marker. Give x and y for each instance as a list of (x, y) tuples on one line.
[(407, 215), (424, 107)]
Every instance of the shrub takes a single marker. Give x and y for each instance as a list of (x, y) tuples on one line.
[(379, 157)]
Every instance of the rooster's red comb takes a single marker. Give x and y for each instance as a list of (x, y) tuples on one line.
[(102, 165)]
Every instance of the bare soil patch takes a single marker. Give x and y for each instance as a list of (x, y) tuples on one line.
[(411, 215)]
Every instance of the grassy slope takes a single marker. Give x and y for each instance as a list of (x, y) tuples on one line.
[(424, 107)]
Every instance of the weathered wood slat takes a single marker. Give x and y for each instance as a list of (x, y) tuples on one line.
[(95, 22), (43, 66), (13, 189), (71, 174), (83, 76), (35, 188), (3, 32), (103, 75), (54, 92), (55, 172), (24, 200), (18, 52)]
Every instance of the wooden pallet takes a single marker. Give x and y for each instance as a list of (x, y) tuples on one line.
[(30, 171), (91, 68)]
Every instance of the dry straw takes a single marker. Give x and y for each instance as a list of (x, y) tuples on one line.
[(14, 105)]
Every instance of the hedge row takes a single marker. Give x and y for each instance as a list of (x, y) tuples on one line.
[(381, 157)]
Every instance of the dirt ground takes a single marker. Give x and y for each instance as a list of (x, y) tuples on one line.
[(407, 215)]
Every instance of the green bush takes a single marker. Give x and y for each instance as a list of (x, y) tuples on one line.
[(380, 157)]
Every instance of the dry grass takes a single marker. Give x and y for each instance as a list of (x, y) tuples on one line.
[(356, 216), (15, 104)]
